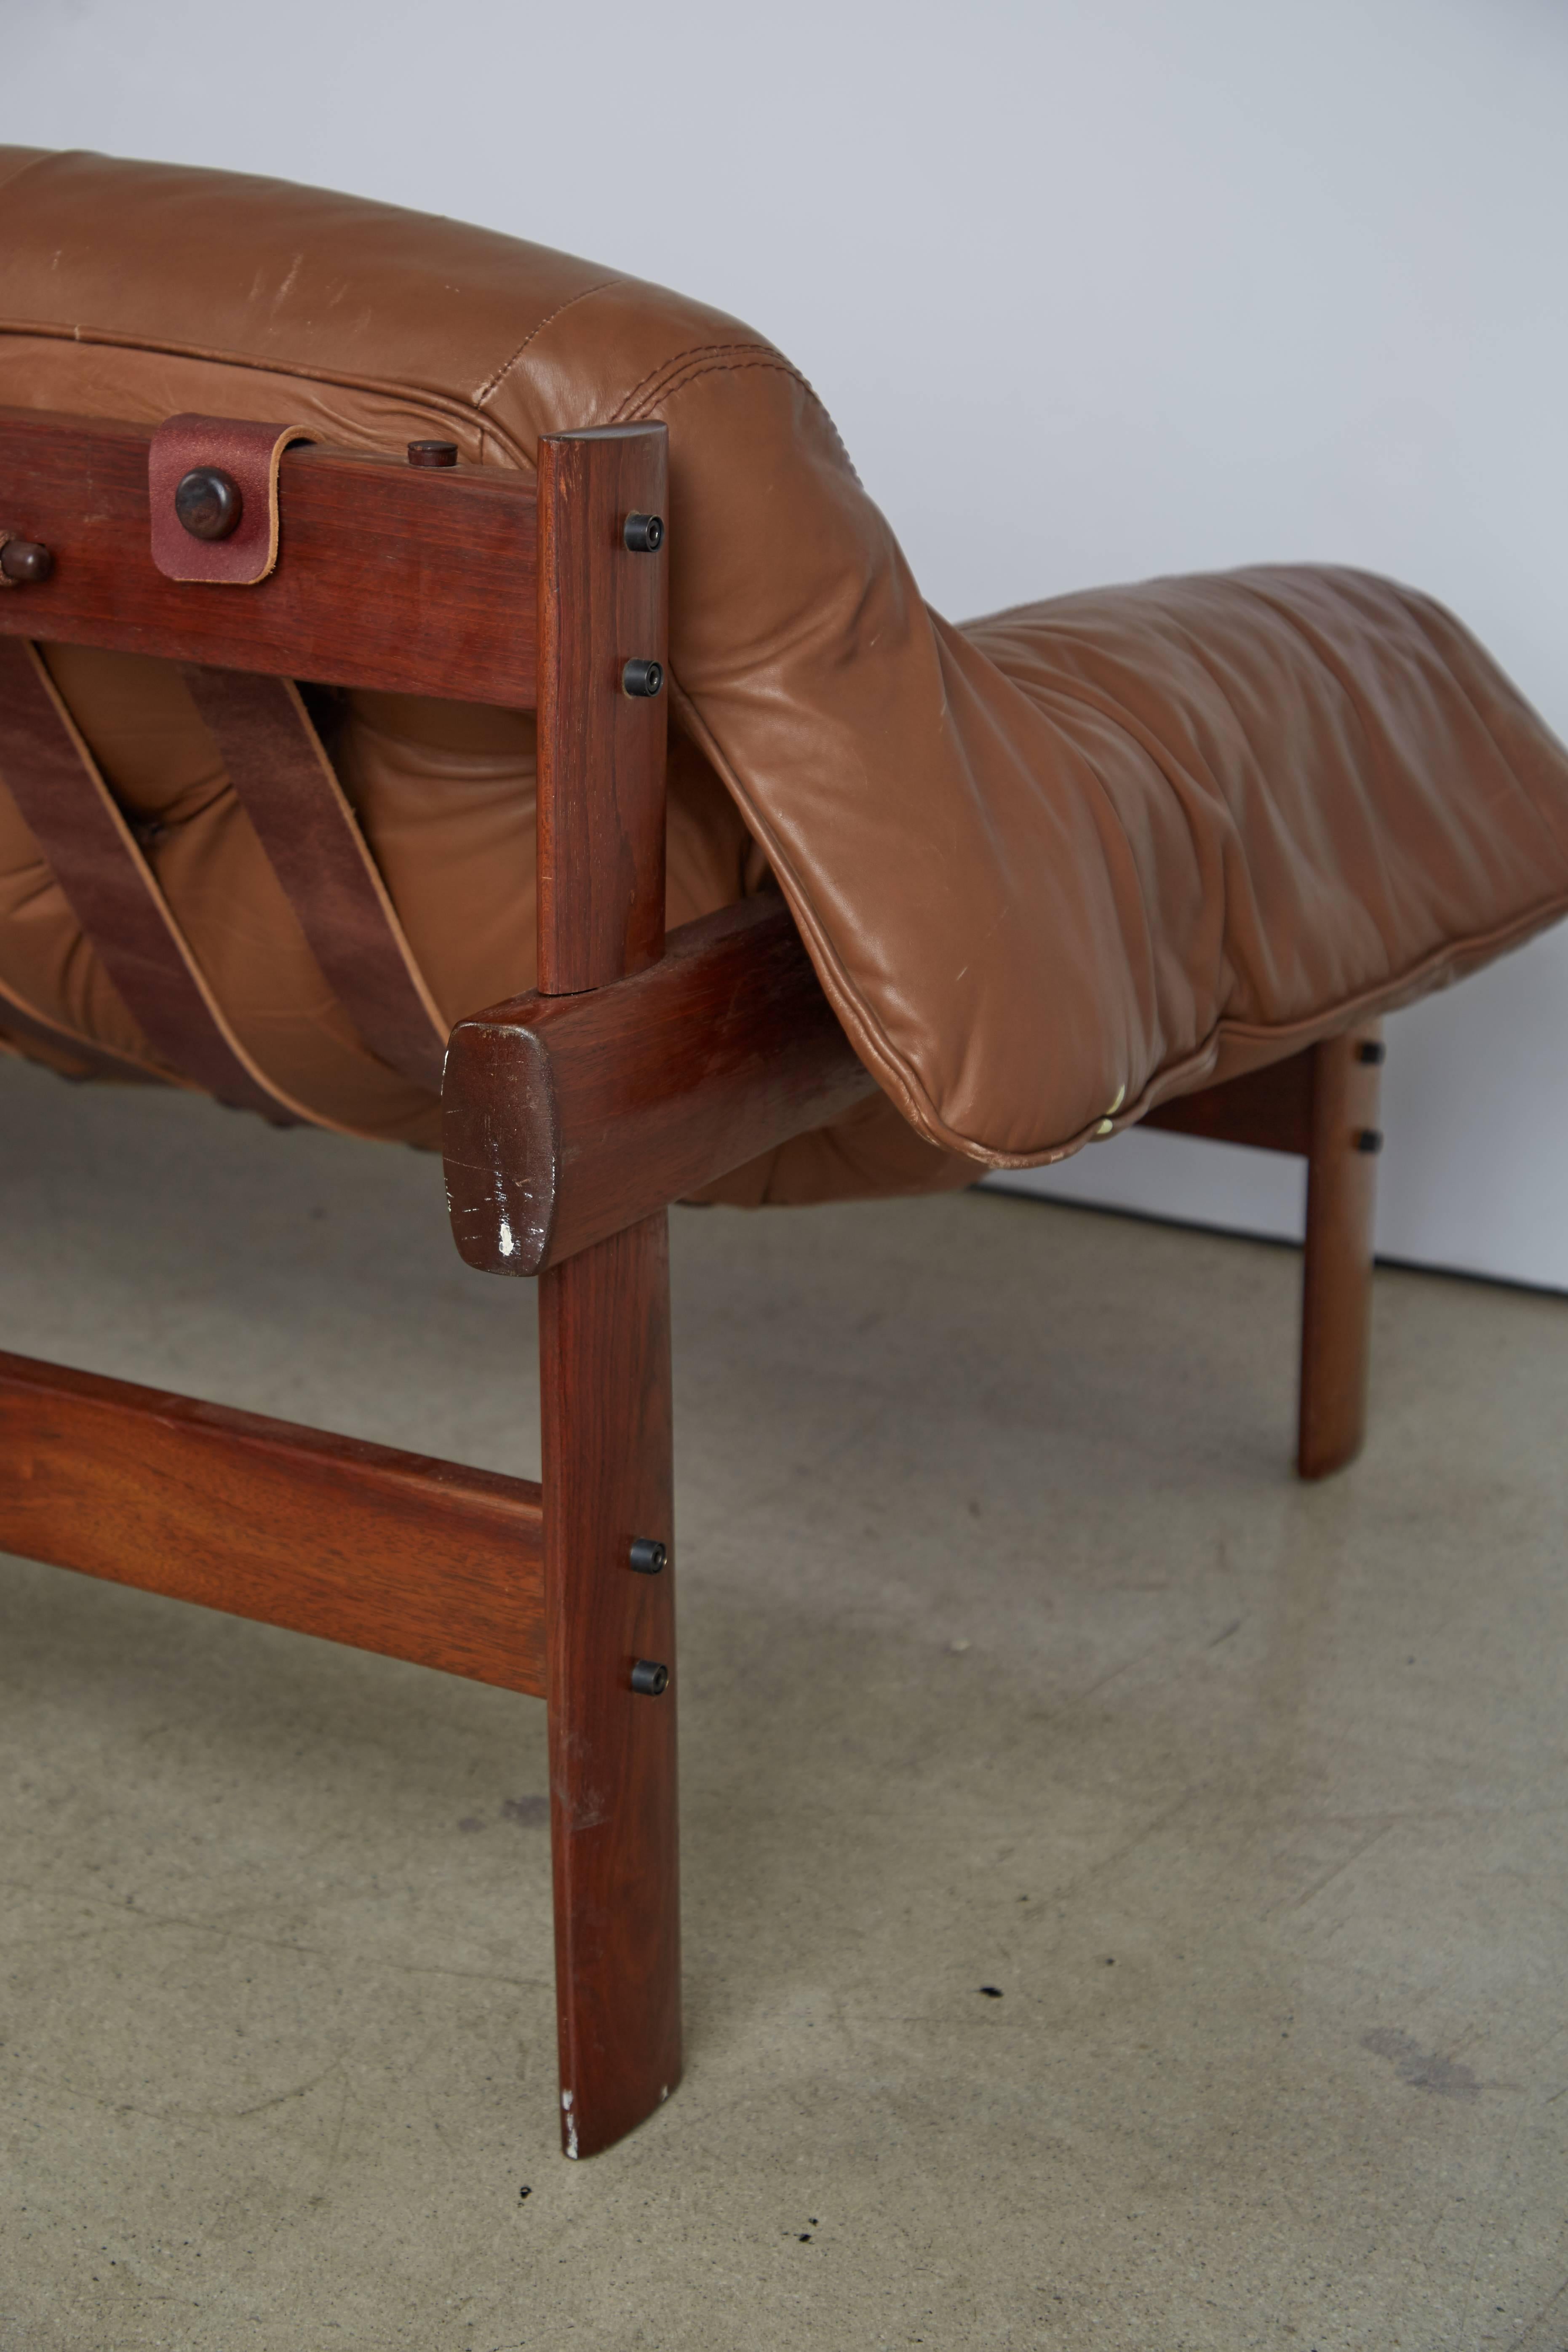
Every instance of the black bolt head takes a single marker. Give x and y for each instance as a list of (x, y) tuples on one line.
[(643, 534), (647, 1557), (208, 503), (1370, 1052), (642, 678), (649, 1678), (1368, 1139)]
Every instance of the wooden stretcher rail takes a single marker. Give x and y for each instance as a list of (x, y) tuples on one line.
[(412, 580), (358, 1543), (568, 1118), (1269, 1108)]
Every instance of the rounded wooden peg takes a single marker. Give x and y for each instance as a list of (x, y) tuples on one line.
[(432, 453), (24, 562), (208, 502)]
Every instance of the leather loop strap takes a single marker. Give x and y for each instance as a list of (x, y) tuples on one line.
[(307, 827), (248, 456), (71, 814)]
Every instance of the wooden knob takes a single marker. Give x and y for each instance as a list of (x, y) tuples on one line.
[(208, 502), (24, 562)]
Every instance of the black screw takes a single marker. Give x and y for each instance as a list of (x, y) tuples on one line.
[(24, 562), (642, 677), (432, 453), (647, 1557), (1368, 1139), (1369, 1052), (650, 1679), (643, 534)]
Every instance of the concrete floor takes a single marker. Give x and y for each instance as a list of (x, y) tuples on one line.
[(1012, 1656)]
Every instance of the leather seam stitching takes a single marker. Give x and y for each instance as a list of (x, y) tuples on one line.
[(779, 366), (492, 384), (677, 360)]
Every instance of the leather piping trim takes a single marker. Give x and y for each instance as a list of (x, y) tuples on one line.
[(492, 384), (308, 828), (20, 1020), (108, 887)]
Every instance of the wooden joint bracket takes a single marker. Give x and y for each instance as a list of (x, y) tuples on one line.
[(568, 1118)]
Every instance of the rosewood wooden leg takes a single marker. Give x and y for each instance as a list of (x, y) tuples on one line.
[(604, 1362), (1336, 1289)]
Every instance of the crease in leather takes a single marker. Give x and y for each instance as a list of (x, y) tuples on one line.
[(458, 407)]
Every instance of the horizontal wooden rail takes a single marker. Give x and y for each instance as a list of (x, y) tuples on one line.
[(567, 1119), (415, 580), (1269, 1108), (359, 1543)]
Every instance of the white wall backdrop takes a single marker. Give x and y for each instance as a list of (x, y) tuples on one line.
[(1095, 289)]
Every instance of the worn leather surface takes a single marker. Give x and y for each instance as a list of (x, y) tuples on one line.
[(1052, 866)]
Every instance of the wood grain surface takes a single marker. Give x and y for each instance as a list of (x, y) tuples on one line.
[(604, 1341), (1269, 1108), (565, 1119), (601, 751), (604, 1324), (360, 1543), (389, 575), (1336, 1280)]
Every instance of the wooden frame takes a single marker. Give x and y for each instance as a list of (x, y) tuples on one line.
[(641, 1069)]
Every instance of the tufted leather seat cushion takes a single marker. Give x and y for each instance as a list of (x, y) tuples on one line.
[(1052, 866)]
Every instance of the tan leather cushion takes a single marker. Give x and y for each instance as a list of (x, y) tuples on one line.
[(1063, 861)]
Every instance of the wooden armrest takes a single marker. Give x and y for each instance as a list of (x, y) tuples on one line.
[(566, 1119)]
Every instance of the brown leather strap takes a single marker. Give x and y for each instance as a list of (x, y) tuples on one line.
[(249, 455), (71, 814), (309, 830)]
